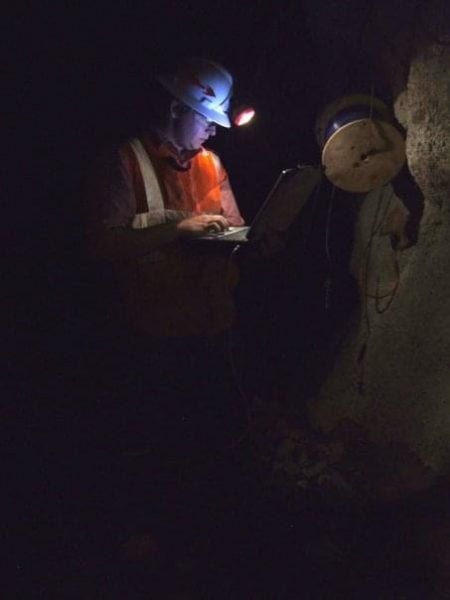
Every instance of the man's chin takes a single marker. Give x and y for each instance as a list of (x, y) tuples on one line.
[(199, 144), (193, 146)]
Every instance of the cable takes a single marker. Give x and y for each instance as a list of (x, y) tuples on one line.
[(327, 226), (327, 284), (249, 434), (313, 211), (375, 229), (234, 370)]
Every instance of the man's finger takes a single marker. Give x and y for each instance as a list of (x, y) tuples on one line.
[(223, 223)]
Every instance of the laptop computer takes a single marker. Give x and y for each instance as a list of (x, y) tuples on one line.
[(285, 200)]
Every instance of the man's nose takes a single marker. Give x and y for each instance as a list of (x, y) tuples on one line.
[(211, 129)]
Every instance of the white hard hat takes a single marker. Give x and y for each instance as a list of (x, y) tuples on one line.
[(204, 86)]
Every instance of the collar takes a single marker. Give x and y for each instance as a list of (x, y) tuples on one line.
[(166, 150)]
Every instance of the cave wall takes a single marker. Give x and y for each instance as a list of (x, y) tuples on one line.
[(391, 377)]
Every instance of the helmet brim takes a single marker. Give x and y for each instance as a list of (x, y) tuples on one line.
[(216, 116)]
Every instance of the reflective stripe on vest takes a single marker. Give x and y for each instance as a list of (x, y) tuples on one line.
[(156, 211), (172, 292), (155, 202)]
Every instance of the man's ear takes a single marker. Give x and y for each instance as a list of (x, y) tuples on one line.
[(177, 109)]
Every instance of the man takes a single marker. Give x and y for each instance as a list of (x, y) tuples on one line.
[(169, 394), (168, 376), (159, 189), (172, 301)]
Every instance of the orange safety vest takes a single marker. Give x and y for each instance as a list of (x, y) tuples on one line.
[(178, 290)]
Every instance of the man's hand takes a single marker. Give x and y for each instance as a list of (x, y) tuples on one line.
[(201, 224)]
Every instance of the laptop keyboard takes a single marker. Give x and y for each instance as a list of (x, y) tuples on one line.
[(219, 234)]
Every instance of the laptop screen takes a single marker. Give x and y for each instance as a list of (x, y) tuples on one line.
[(285, 200)]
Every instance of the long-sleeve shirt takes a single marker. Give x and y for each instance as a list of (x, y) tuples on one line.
[(193, 183), (165, 287)]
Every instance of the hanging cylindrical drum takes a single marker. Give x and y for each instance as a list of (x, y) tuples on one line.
[(362, 145)]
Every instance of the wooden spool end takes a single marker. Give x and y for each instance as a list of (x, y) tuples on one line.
[(362, 148)]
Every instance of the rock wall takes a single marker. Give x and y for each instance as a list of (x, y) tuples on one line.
[(391, 378)]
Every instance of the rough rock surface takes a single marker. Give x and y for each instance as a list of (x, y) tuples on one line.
[(391, 378)]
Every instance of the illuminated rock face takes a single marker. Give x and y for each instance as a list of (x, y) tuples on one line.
[(424, 110), (391, 378)]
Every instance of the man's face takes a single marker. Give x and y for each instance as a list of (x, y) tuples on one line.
[(191, 130)]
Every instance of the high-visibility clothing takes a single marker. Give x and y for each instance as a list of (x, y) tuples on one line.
[(176, 290)]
